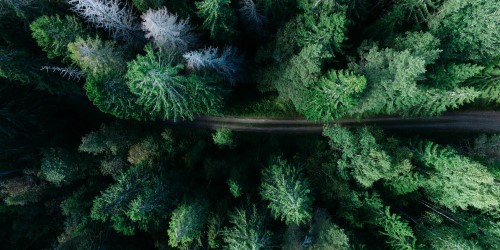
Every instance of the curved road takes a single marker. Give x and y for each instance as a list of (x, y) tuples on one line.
[(474, 121)]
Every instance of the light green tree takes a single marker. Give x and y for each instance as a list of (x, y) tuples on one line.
[(247, 231), (165, 92), (287, 191), (218, 18), (186, 224)]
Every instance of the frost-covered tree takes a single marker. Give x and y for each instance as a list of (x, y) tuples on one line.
[(167, 31), (113, 15), (227, 63)]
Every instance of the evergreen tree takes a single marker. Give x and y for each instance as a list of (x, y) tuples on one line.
[(287, 192), (218, 18), (247, 231), (144, 5), (456, 181), (167, 31), (61, 167), (167, 94), (54, 33), (187, 223), (227, 63), (115, 16)]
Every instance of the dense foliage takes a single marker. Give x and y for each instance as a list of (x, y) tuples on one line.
[(89, 90)]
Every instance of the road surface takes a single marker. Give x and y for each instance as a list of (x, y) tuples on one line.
[(474, 121)]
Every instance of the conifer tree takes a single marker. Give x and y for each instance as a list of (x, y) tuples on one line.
[(61, 167), (288, 193), (167, 94), (186, 224), (456, 181), (113, 15), (247, 230), (218, 18), (226, 63), (54, 33), (168, 32)]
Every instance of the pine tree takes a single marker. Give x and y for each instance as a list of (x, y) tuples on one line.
[(326, 235), (251, 14), (54, 33), (218, 18), (167, 94), (333, 96), (168, 32), (112, 15), (187, 223), (227, 63), (144, 5), (61, 167), (398, 231), (223, 137), (97, 58), (247, 231), (467, 30), (455, 181), (288, 193)]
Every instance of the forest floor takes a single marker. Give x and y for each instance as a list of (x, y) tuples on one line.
[(473, 121)]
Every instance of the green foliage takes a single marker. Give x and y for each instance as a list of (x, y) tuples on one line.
[(361, 156), (456, 181), (223, 137), (319, 23), (140, 199), (467, 29), (167, 94), (437, 101), (54, 33), (218, 18), (420, 44), (234, 188), (144, 5), (327, 235), (453, 75), (61, 167), (398, 231), (96, 57), (22, 190), (187, 223), (247, 231), (334, 96), (288, 193)]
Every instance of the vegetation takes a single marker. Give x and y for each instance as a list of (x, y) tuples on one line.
[(101, 145)]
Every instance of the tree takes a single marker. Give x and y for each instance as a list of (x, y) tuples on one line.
[(96, 57), (141, 198), (61, 167), (288, 193), (251, 15), (326, 235), (399, 233), (319, 23), (361, 157), (334, 95), (144, 5), (54, 33), (455, 181), (223, 137), (22, 190), (163, 91), (218, 18), (247, 230), (467, 30), (167, 31), (111, 15), (227, 63), (186, 224)]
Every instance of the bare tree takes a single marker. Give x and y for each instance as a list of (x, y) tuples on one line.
[(108, 14), (227, 63), (167, 31)]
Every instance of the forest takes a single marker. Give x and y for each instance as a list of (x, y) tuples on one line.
[(91, 158)]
